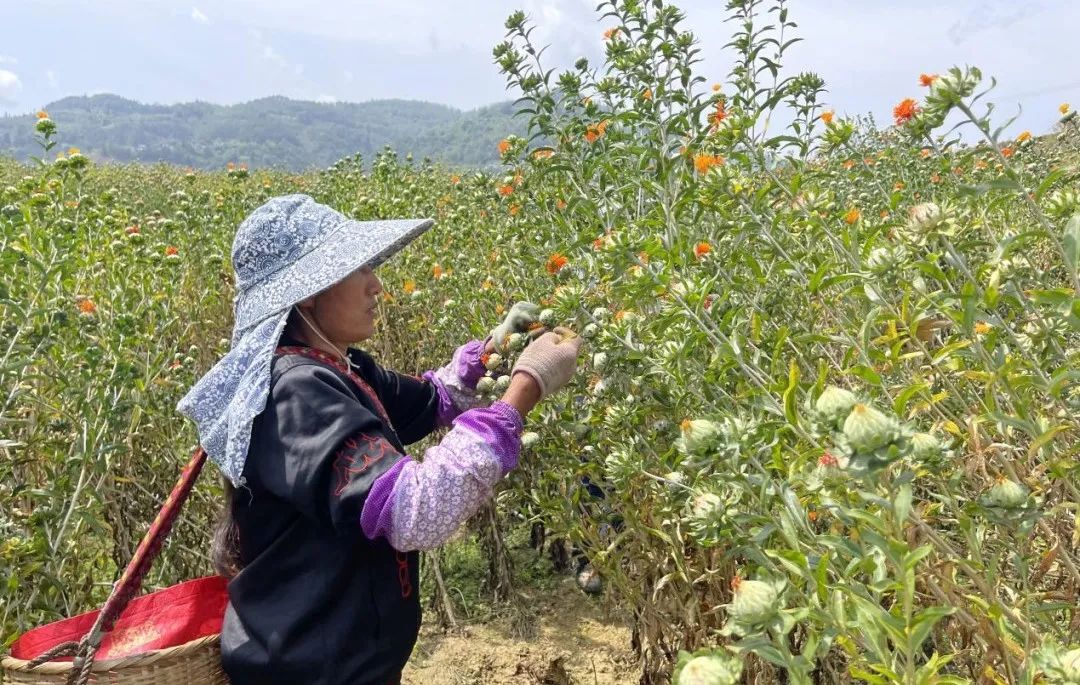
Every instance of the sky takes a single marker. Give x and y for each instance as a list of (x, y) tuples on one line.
[(870, 52)]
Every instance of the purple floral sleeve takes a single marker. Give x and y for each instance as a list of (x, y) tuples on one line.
[(456, 382), (420, 504)]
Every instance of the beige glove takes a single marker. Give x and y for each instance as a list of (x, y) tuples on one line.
[(551, 360)]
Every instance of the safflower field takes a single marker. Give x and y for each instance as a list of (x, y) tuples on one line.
[(830, 386)]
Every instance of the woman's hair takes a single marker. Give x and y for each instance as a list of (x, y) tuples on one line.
[(226, 545), (225, 549)]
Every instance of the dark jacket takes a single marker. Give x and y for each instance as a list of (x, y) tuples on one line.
[(317, 602)]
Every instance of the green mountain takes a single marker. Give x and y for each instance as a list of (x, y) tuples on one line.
[(269, 132)]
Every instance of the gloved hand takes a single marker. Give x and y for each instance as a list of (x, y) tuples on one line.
[(551, 360), (517, 321)]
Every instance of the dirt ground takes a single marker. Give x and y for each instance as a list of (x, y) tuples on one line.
[(577, 640)]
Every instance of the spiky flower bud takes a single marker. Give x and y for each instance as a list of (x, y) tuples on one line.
[(867, 429), (834, 404), (1007, 494)]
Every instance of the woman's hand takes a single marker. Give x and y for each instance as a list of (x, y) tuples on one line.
[(550, 361), (517, 321)]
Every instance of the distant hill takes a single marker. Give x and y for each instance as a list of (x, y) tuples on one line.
[(270, 132)]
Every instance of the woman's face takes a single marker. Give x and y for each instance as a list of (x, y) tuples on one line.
[(346, 311)]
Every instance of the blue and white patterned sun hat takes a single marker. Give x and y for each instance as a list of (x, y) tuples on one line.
[(284, 252)]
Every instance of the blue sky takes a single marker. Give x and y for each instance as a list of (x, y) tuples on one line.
[(870, 52)]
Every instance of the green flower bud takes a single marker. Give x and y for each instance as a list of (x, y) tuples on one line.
[(590, 331), (502, 383), (755, 602), (494, 361), (548, 318), (485, 385), (834, 404), (926, 446), (709, 669), (599, 360), (698, 435), (529, 438), (1007, 494), (867, 429)]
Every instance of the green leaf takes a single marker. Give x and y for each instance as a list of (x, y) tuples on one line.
[(1072, 244)]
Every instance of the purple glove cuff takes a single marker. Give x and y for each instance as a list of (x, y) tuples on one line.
[(500, 426)]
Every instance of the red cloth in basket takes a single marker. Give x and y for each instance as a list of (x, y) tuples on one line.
[(166, 618)]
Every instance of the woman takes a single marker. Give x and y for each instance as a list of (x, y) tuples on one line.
[(325, 509)]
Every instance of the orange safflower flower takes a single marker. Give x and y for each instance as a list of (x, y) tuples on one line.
[(827, 117), (171, 250), (982, 328), (488, 284), (560, 204), (132, 229), (591, 135), (500, 308), (812, 516), (73, 151), (230, 166), (647, 94), (927, 80), (1064, 108), (518, 179), (716, 87), (621, 314), (514, 209), (543, 153), (905, 111), (884, 214), (437, 271), (87, 306), (1007, 152), (506, 189), (899, 185), (980, 164), (643, 257), (869, 161), (718, 115), (408, 287), (701, 249), (849, 163), (611, 33), (555, 263), (1023, 137), (598, 244), (703, 162), (602, 126), (504, 146), (925, 152), (935, 178), (455, 179), (852, 216), (42, 114)]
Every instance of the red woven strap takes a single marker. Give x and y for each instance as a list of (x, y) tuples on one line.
[(319, 355), (131, 581)]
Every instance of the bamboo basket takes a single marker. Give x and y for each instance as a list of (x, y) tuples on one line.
[(196, 661)]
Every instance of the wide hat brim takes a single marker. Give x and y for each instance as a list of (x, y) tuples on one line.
[(350, 246)]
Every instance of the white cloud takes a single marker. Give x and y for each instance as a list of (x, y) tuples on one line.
[(10, 85), (198, 16), (7, 59), (329, 99), (269, 53), (50, 76)]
